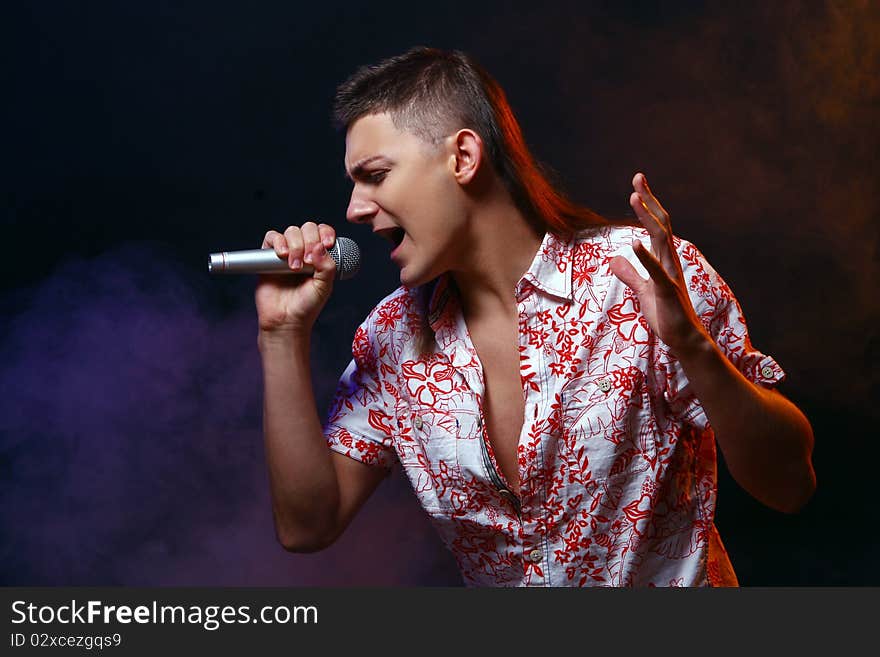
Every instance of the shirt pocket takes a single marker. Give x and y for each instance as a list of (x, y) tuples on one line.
[(427, 446), (607, 426)]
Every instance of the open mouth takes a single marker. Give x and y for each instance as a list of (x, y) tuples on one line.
[(394, 234)]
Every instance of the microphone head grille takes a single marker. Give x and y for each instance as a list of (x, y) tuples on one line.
[(347, 255)]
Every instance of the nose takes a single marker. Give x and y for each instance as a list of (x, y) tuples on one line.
[(360, 208)]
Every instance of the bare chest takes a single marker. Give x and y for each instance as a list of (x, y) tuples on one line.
[(503, 405)]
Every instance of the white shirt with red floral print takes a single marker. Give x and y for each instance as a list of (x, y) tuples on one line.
[(617, 461)]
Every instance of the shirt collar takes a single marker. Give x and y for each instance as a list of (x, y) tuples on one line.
[(438, 299), (550, 270), (447, 322)]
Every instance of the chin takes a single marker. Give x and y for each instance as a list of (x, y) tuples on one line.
[(411, 279), (408, 282)]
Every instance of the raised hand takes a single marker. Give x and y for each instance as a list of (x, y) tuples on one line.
[(663, 297)]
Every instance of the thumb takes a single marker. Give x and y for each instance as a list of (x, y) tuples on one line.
[(623, 269), (325, 266)]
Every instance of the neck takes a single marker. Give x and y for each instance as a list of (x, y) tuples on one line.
[(500, 248)]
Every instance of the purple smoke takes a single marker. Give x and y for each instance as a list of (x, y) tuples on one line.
[(133, 446)]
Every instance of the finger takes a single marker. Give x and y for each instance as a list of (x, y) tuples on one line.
[(328, 235), (655, 269), (668, 254), (656, 230), (270, 239), (640, 184), (310, 238), (623, 269), (275, 240), (651, 223), (661, 237), (294, 238), (325, 266)]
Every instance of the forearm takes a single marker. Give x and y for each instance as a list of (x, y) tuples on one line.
[(766, 441), (303, 481)]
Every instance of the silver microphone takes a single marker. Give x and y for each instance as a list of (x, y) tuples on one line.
[(345, 253)]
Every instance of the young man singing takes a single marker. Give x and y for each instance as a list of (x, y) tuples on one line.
[(555, 410)]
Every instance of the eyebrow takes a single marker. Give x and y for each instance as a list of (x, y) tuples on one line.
[(358, 169)]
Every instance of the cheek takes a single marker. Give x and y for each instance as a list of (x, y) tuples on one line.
[(446, 203), (429, 198)]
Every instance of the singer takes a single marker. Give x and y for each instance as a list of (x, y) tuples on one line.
[(552, 383)]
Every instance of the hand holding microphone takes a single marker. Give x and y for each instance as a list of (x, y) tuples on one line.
[(287, 303), (344, 252)]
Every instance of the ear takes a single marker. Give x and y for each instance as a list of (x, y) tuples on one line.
[(467, 155)]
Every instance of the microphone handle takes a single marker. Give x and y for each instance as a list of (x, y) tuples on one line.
[(345, 254), (258, 261)]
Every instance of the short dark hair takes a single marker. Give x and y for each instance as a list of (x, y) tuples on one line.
[(431, 93)]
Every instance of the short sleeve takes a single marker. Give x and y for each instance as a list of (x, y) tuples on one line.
[(722, 316), (358, 424)]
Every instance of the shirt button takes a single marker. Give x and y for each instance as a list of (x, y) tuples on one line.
[(535, 556), (604, 385), (767, 372), (417, 422)]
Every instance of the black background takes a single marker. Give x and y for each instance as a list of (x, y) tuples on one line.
[(139, 137)]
